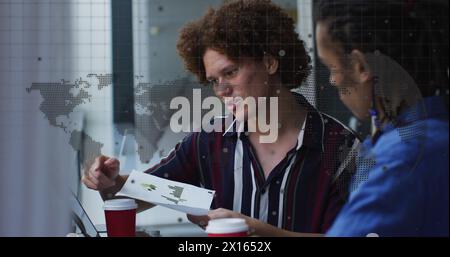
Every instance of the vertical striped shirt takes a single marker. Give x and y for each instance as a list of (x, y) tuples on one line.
[(303, 193)]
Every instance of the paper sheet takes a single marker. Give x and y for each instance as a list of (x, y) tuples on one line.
[(174, 195)]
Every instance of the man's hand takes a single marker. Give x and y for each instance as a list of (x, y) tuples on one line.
[(256, 227), (201, 221), (220, 213), (102, 174)]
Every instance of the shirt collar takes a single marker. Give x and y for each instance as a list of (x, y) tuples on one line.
[(311, 134), (314, 126), (428, 107), (234, 128)]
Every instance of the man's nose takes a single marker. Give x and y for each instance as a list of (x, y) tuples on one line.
[(223, 89)]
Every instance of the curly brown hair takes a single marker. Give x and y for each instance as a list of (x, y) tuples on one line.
[(246, 28)]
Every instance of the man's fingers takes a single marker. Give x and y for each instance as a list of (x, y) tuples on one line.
[(193, 218), (89, 183), (112, 165), (221, 213), (93, 167), (104, 180), (100, 179), (201, 221), (98, 163), (111, 161), (93, 178)]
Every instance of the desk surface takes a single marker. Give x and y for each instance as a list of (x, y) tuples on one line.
[(175, 230), (168, 230)]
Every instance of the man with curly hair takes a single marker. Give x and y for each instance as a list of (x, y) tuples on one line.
[(298, 183)]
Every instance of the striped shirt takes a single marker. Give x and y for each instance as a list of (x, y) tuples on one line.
[(303, 193)]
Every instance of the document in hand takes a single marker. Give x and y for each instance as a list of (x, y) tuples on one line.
[(174, 195)]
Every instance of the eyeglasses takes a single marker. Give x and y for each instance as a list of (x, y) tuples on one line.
[(221, 85)]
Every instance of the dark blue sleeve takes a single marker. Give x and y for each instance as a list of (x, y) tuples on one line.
[(182, 162)]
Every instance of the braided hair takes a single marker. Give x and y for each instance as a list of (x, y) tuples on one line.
[(412, 32)]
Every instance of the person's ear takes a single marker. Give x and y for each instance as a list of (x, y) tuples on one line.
[(271, 64), (360, 67)]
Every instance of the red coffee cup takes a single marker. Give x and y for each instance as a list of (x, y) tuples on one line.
[(120, 215), (228, 227)]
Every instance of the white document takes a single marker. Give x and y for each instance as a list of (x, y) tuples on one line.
[(171, 194)]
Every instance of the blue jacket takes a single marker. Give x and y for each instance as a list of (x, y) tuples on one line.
[(406, 192)]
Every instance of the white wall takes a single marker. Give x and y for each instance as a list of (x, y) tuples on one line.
[(49, 42), (35, 156)]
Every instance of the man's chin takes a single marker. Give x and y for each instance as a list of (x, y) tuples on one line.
[(362, 116)]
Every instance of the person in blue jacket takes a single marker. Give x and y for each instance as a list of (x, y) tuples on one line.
[(389, 62)]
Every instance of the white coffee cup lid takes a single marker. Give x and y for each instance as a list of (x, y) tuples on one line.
[(227, 225), (119, 204)]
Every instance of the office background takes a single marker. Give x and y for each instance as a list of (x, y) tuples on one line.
[(81, 78)]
